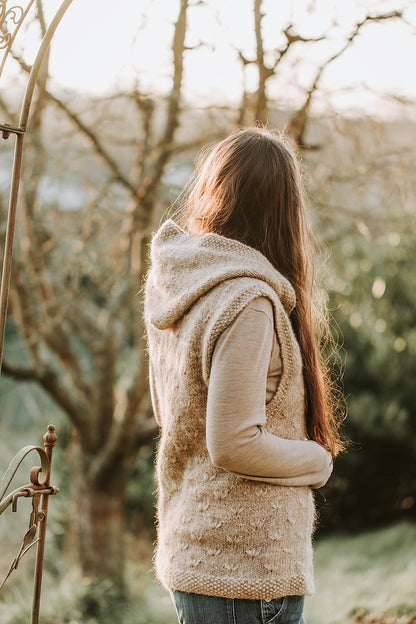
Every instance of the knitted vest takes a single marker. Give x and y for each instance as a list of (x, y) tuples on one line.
[(220, 534)]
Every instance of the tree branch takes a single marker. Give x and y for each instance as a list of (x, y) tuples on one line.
[(88, 133), (20, 373), (264, 72), (50, 382), (297, 125), (165, 146), (96, 143)]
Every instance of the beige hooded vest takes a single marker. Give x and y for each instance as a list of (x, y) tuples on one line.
[(220, 534)]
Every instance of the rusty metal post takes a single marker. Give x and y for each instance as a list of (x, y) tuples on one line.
[(8, 246), (5, 130), (49, 440), (39, 483), (39, 489)]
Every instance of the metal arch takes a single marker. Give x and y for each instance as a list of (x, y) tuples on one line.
[(15, 463), (6, 40), (39, 488)]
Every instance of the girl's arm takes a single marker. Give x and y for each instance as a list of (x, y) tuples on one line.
[(237, 440)]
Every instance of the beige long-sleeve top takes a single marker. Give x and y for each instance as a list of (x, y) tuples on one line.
[(245, 373)]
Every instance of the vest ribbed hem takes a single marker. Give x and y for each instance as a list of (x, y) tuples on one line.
[(236, 588)]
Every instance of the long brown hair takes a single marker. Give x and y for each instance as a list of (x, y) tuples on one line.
[(249, 188)]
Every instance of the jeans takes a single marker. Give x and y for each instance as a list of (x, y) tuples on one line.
[(200, 609)]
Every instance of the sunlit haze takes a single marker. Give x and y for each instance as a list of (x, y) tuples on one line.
[(100, 47)]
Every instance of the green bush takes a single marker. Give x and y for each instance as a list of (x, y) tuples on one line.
[(374, 303)]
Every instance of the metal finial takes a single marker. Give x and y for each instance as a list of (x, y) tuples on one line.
[(50, 436)]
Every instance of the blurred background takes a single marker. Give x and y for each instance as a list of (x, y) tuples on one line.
[(129, 94)]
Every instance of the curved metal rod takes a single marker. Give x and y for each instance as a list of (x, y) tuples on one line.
[(30, 87), (11, 498), (7, 39), (17, 163), (39, 490), (25, 491), (15, 463)]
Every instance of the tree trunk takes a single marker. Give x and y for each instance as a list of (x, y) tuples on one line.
[(100, 519)]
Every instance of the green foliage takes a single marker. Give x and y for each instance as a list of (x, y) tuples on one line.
[(373, 295)]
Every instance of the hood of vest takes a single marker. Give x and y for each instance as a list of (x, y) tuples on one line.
[(186, 267)]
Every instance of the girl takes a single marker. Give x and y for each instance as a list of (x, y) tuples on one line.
[(238, 389)]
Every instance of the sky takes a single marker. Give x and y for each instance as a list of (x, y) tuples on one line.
[(102, 45)]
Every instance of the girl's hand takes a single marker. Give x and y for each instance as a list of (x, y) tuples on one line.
[(327, 468)]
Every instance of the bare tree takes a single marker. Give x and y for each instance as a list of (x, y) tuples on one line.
[(80, 320), (268, 71)]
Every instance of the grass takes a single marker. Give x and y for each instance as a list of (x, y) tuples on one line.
[(369, 578), (364, 579), (371, 574)]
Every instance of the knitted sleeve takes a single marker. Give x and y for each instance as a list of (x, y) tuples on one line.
[(240, 376)]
